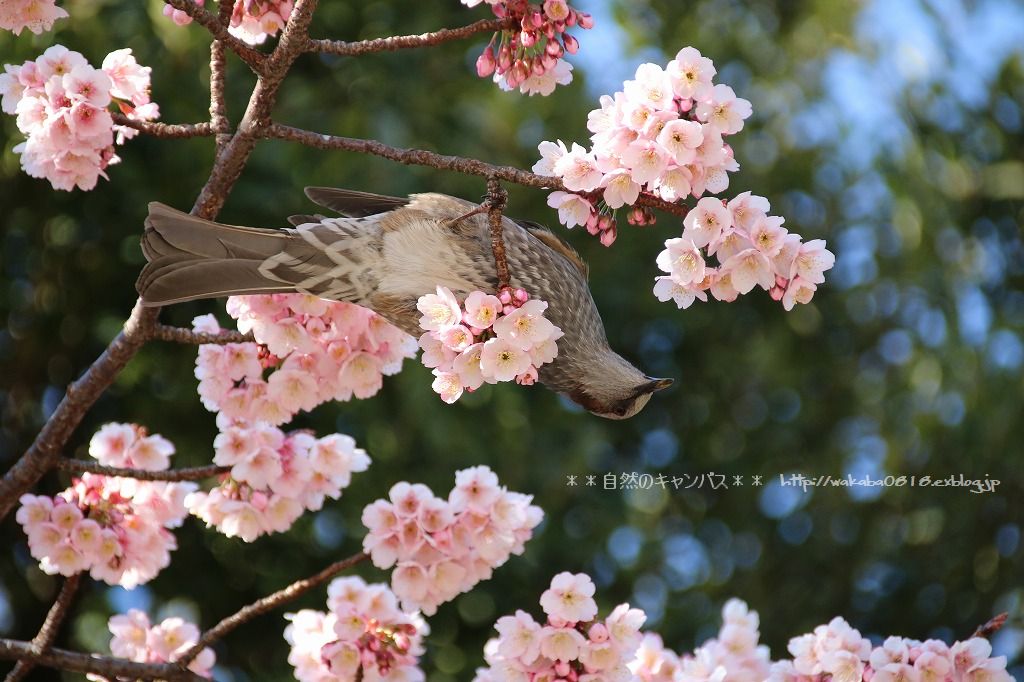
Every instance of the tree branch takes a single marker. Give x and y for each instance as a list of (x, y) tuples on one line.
[(218, 67), (268, 603), (81, 395), (79, 466), (497, 197), (254, 58), (107, 666), (164, 332), (165, 130), (48, 632), (390, 44), (992, 626), (420, 157)]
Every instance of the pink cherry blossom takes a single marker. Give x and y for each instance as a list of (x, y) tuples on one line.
[(441, 548), (723, 110), (570, 598), (35, 15), (691, 73), (165, 642)]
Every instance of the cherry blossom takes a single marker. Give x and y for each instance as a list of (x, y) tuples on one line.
[(275, 477), (363, 635), (529, 56), (307, 351), (252, 22), (115, 528), (753, 249), (61, 104), (35, 15), (135, 639), (571, 645), (507, 339), (440, 548)]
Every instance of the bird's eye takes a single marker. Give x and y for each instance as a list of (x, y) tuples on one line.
[(620, 411)]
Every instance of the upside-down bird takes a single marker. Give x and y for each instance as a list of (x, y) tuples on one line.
[(384, 253)]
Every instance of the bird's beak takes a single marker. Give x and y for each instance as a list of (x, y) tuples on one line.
[(657, 384)]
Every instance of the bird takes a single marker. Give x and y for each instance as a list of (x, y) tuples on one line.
[(383, 253)]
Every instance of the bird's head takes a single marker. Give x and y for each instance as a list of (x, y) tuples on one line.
[(615, 389)]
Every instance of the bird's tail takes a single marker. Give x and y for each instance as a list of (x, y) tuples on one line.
[(191, 258)]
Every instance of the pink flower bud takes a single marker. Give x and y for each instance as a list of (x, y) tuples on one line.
[(499, 10), (521, 296), (594, 223), (508, 310), (536, 19), (608, 236), (528, 38), (485, 63), (520, 70), (572, 45), (504, 59), (570, 20), (537, 66), (585, 21), (598, 633), (554, 49), (562, 668), (505, 296), (550, 30), (548, 61), (605, 222)]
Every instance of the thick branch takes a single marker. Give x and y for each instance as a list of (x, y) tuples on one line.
[(268, 603), (254, 58), (350, 49), (81, 395), (164, 332), (420, 157), (497, 197), (79, 466), (48, 632), (167, 130), (107, 666)]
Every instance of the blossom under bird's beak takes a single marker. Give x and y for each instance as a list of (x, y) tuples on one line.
[(657, 384)]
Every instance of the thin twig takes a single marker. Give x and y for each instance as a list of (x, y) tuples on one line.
[(254, 58), (497, 197), (420, 157), (48, 632), (164, 332), (992, 626), (166, 130), (218, 66), (80, 466), (392, 43), (268, 603), (107, 666)]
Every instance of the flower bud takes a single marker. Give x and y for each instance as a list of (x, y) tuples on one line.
[(554, 49), (562, 668), (598, 633), (504, 59), (520, 295), (585, 21), (485, 63), (527, 38), (608, 236), (572, 45), (537, 66)]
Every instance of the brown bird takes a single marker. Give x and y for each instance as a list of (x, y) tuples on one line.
[(386, 252)]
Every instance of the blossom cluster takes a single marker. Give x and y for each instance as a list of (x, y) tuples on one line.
[(308, 350), (752, 248), (364, 635), (488, 339), (115, 528), (61, 103), (252, 21), (571, 645), (662, 135), (274, 477), (838, 651), (529, 56), (441, 548), (35, 15), (734, 655), (135, 639)]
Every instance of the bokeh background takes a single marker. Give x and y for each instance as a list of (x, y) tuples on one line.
[(891, 128)]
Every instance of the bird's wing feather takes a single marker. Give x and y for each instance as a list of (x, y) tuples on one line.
[(352, 203), (555, 243)]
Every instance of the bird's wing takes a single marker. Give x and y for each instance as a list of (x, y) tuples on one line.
[(354, 204), (555, 243)]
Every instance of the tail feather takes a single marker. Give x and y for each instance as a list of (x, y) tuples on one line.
[(191, 258)]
